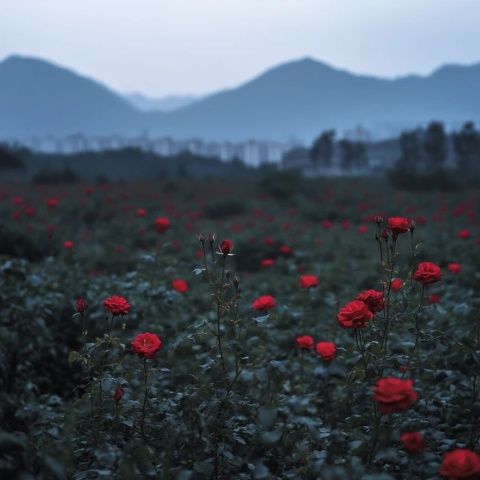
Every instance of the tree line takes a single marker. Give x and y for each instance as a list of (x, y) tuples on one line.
[(423, 151)]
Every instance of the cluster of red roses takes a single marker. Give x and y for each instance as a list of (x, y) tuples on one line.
[(145, 345), (358, 312), (326, 350)]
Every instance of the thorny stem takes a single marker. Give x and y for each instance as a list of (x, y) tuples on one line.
[(378, 420), (219, 315), (144, 406), (235, 330), (361, 348), (387, 298), (417, 328)]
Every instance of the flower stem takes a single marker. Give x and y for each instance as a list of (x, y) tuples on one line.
[(145, 396)]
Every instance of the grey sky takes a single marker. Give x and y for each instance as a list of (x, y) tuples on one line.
[(161, 47)]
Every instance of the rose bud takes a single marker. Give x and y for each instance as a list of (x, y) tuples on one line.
[(80, 305), (226, 247), (118, 394)]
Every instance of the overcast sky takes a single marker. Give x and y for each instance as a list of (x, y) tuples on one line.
[(162, 47)]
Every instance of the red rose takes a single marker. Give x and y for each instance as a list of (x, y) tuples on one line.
[(355, 314), (162, 224), (118, 394), (454, 268), (308, 281), (146, 345), (373, 298), (267, 262), (460, 463), (286, 250), (394, 395), (398, 225), (305, 342), (117, 305), (52, 202), (269, 242), (434, 298), (264, 303), (68, 245), (427, 273), (226, 247), (464, 234), (327, 224), (397, 284), (29, 212), (80, 305), (413, 442), (326, 350), (181, 286)]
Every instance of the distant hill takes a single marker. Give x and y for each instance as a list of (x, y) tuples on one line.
[(39, 98), (164, 104), (294, 100)]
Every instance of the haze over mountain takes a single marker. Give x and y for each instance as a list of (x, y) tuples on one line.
[(293, 100), (164, 104)]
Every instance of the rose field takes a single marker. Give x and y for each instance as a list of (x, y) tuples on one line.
[(260, 329)]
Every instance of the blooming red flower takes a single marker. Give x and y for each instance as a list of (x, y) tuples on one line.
[(308, 281), (181, 286), (117, 305), (80, 305), (68, 245), (394, 395), (454, 268), (326, 350), (286, 250), (162, 224), (460, 463), (397, 284), (427, 273), (413, 442), (399, 225), (327, 224), (434, 298), (146, 345), (264, 303), (29, 212), (269, 242), (226, 247), (118, 394), (52, 202), (464, 234), (267, 262), (305, 342), (355, 314), (141, 212), (373, 298)]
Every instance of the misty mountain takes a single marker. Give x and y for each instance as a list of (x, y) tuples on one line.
[(39, 98), (294, 100), (164, 104)]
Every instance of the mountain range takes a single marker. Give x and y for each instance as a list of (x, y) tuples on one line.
[(295, 100), (164, 104)]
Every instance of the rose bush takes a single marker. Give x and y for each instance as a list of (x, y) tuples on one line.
[(229, 394)]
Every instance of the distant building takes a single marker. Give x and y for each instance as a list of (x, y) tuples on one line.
[(252, 152)]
